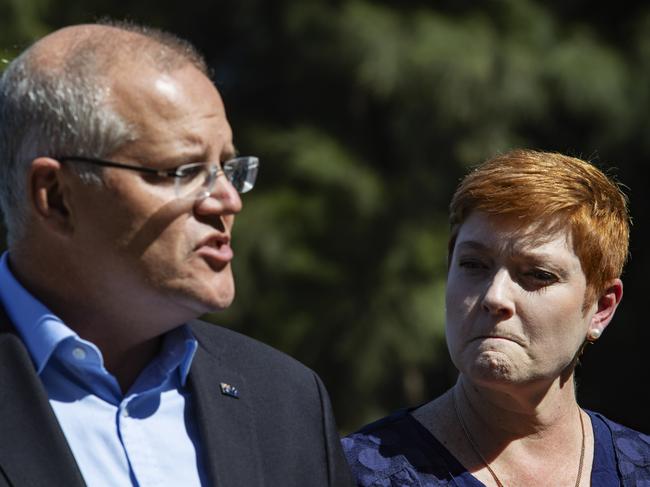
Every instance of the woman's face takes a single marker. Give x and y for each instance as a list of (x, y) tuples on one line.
[(514, 303)]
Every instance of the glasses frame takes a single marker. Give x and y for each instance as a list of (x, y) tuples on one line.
[(216, 169)]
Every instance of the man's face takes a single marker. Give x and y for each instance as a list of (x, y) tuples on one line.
[(144, 248)]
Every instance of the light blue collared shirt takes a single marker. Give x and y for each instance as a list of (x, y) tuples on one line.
[(140, 438)]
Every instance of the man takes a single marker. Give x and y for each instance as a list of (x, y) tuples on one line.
[(118, 239)]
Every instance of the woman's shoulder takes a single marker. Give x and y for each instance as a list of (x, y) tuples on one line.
[(632, 450), (395, 451)]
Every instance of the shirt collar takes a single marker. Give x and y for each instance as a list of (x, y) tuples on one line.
[(40, 329), (178, 349)]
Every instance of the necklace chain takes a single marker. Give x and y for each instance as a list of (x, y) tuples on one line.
[(485, 462)]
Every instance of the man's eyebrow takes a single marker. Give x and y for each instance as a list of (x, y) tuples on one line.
[(201, 155), (229, 153), (184, 158)]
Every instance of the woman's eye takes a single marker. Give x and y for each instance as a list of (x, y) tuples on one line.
[(542, 276), (471, 264)]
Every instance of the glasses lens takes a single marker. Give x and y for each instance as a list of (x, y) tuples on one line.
[(192, 179), (242, 172)]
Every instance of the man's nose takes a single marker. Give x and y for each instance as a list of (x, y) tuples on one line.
[(224, 199), (498, 298)]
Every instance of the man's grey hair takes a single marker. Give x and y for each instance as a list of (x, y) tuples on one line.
[(63, 109)]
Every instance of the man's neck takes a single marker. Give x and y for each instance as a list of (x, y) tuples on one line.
[(127, 343)]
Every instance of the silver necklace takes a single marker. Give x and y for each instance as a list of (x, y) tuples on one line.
[(487, 465)]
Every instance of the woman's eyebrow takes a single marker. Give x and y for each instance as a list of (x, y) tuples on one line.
[(472, 245)]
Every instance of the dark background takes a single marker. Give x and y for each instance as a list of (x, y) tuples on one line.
[(365, 115)]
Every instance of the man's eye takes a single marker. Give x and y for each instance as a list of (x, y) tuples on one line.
[(228, 168), (189, 171)]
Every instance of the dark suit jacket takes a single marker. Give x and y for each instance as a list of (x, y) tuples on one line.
[(279, 432)]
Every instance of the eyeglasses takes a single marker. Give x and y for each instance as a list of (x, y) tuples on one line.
[(196, 179)]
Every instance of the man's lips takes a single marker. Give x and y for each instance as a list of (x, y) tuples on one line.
[(216, 250)]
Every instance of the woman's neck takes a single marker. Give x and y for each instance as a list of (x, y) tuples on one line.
[(521, 411), (527, 437)]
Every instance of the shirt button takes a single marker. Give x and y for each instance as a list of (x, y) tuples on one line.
[(79, 353)]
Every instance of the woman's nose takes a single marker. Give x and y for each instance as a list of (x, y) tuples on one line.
[(498, 298)]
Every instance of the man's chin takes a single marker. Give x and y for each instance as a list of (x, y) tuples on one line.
[(216, 302), (205, 296), (218, 292)]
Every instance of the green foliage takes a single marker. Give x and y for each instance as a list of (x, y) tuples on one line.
[(390, 106), (20, 24), (365, 114)]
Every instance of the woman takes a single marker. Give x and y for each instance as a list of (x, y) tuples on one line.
[(538, 242)]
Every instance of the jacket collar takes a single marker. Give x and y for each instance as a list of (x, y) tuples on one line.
[(33, 449), (223, 407)]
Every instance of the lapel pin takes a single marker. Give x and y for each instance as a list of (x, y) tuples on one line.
[(228, 390)]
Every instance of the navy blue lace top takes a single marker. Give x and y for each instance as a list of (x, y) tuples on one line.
[(397, 451)]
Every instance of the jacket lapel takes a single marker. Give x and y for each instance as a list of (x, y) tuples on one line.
[(223, 412), (33, 449)]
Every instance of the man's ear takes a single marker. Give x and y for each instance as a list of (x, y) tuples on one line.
[(48, 197), (606, 307)]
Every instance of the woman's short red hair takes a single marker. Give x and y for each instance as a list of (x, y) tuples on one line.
[(552, 191)]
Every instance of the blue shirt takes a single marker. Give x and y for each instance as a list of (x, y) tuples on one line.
[(141, 438)]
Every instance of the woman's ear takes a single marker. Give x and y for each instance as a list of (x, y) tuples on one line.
[(606, 307), (47, 194)]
